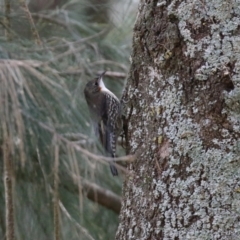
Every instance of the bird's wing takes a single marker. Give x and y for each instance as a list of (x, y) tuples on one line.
[(102, 124), (109, 123), (112, 125)]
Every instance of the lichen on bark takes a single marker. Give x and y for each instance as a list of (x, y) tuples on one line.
[(183, 122)]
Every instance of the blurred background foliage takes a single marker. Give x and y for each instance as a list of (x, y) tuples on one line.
[(45, 123)]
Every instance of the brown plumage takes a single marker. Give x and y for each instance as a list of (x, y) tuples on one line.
[(105, 111)]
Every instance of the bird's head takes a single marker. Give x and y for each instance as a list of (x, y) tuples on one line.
[(95, 85)]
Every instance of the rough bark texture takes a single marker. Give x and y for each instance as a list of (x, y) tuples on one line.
[(183, 116)]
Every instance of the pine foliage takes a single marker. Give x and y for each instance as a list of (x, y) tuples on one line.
[(47, 146)]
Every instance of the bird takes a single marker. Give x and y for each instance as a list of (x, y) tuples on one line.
[(105, 114)]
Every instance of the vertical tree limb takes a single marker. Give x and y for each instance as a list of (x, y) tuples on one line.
[(9, 217), (183, 116)]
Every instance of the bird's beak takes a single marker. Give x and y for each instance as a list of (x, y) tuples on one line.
[(102, 74)]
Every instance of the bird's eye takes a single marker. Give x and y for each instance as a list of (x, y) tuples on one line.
[(96, 84)]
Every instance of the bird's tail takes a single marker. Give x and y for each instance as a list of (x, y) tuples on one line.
[(113, 169), (110, 147)]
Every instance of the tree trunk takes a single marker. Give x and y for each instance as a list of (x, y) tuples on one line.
[(183, 124)]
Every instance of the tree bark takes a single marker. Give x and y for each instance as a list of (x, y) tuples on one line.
[(183, 113)]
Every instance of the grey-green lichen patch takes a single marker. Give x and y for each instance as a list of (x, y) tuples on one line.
[(202, 204), (233, 101), (193, 207), (190, 193), (207, 28), (209, 202)]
